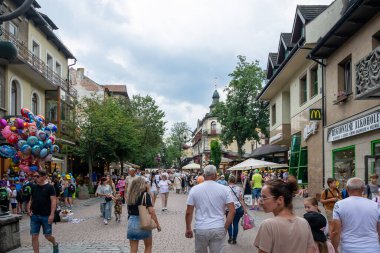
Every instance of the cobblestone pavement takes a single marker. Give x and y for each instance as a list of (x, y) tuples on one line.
[(91, 235)]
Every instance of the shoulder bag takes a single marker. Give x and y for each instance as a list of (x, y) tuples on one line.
[(146, 221)]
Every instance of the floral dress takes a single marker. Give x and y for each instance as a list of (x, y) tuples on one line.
[(118, 206)]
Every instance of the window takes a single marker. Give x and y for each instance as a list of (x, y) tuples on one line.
[(344, 164), (15, 98), (303, 90), (13, 29), (314, 81), (51, 106), (35, 103), (49, 65), (2, 88), (58, 68), (213, 127), (273, 114), (35, 49), (345, 76)]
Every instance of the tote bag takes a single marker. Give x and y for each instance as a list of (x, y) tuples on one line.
[(146, 221)]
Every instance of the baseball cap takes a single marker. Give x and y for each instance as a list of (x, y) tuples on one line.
[(316, 221)]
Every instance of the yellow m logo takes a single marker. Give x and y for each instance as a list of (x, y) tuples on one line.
[(315, 114)]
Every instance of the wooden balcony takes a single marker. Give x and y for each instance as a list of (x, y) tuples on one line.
[(36, 64)]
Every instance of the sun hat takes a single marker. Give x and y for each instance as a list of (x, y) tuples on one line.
[(68, 177), (316, 221)]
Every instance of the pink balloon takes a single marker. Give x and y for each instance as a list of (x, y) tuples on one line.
[(3, 123), (6, 132)]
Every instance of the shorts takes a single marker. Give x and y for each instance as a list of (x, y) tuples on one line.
[(256, 193), (36, 221), (67, 194), (134, 232), (155, 193), (14, 205)]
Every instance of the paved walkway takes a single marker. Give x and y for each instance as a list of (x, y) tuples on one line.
[(91, 235)]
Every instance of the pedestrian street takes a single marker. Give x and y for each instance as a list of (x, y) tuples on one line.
[(91, 235)]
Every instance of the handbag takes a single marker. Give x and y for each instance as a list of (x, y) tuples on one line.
[(247, 222), (146, 221)]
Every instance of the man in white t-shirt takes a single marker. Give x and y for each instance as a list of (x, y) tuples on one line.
[(209, 200), (356, 221)]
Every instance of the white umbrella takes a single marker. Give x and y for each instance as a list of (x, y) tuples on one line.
[(255, 164), (191, 166)]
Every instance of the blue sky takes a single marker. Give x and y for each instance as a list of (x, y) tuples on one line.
[(170, 49)]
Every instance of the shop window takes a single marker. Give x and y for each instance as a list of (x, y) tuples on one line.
[(273, 114), (298, 165), (303, 90), (314, 81), (344, 164), (345, 77)]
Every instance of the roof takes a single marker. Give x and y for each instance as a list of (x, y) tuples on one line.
[(216, 94), (267, 150), (287, 38), (50, 22), (116, 88), (273, 58), (358, 13), (87, 83), (309, 12)]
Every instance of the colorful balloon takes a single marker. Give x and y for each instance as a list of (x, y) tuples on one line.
[(26, 149), (21, 143), (19, 123), (33, 168), (48, 157), (48, 143), (54, 149), (36, 150), (41, 135), (6, 132), (3, 123), (25, 168), (7, 151), (32, 141), (12, 139), (43, 153)]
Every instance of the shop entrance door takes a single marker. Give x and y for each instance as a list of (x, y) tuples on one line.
[(372, 166)]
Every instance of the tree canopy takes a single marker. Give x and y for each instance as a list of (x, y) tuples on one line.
[(241, 114), (216, 153)]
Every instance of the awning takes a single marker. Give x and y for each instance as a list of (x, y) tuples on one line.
[(251, 164), (267, 150), (226, 160), (56, 160), (191, 166)]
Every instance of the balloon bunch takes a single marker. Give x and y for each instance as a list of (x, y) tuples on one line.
[(30, 140)]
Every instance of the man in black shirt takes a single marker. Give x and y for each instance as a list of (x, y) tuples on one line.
[(41, 209)]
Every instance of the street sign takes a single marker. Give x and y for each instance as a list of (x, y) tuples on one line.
[(315, 114)]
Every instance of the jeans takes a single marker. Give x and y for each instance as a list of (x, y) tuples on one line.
[(107, 210), (233, 229), (38, 221)]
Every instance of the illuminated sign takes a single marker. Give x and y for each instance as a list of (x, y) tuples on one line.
[(315, 114)]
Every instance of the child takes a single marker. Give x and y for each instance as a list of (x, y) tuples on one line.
[(377, 198), (118, 206), (311, 205), (13, 199), (317, 222)]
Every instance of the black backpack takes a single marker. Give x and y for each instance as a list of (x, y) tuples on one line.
[(26, 190)]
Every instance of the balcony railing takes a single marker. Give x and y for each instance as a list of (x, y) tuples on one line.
[(37, 64)]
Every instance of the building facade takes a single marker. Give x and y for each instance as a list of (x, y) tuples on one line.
[(350, 52), (38, 78)]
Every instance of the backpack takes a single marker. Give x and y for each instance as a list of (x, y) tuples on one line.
[(71, 188), (26, 190), (344, 194), (4, 196)]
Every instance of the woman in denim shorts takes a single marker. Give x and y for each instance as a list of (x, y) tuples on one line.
[(139, 187)]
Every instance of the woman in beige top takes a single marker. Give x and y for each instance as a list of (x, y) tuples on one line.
[(285, 233)]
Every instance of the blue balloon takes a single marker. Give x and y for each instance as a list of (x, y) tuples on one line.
[(26, 149), (43, 153), (7, 151), (21, 143), (36, 150), (33, 168), (32, 140), (48, 143), (54, 149), (16, 159)]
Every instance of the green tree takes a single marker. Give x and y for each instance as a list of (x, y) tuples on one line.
[(151, 127), (242, 115), (176, 142), (216, 153)]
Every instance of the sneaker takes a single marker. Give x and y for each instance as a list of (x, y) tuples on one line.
[(56, 248), (233, 241), (105, 222)]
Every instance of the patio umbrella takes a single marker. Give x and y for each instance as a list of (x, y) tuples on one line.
[(251, 163), (191, 166)]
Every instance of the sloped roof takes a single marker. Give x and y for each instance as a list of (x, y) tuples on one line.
[(267, 150), (287, 37), (49, 21), (273, 58), (115, 87), (309, 12)]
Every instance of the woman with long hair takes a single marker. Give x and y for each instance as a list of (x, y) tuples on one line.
[(153, 187), (138, 190), (105, 190), (285, 233), (237, 196)]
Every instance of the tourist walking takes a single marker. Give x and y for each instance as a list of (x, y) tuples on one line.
[(164, 185), (311, 205), (356, 221), (118, 206), (329, 197), (105, 190), (41, 208), (128, 181), (209, 200), (257, 185), (222, 181), (177, 183), (317, 224), (5, 195), (121, 188), (240, 209), (285, 233), (138, 191), (372, 187), (153, 188)]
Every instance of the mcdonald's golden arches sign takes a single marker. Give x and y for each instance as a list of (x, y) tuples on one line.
[(315, 114)]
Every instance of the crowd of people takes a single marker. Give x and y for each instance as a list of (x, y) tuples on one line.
[(349, 223)]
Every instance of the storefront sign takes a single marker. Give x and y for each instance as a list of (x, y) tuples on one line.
[(315, 114), (360, 125), (309, 130)]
